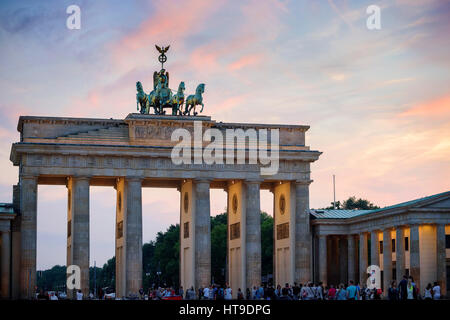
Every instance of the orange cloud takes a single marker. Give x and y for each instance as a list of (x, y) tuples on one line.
[(437, 107)]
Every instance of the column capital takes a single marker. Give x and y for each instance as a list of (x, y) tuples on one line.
[(28, 176), (253, 181), (133, 179), (203, 180), (82, 177), (303, 182)]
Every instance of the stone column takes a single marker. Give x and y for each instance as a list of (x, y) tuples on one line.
[(374, 248), (323, 264), (400, 253), (128, 236), (78, 230), (343, 259), (133, 235), (351, 258), (202, 234), (441, 268), (387, 260), (414, 254), (302, 233), (253, 234), (28, 208), (362, 259), (5, 264)]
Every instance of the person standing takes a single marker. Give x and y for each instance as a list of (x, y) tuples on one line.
[(228, 293), (393, 291), (352, 291), (240, 295), (410, 290), (331, 294), (296, 291), (320, 291), (342, 293), (260, 293), (402, 288), (79, 295), (436, 291), (427, 294), (206, 293)]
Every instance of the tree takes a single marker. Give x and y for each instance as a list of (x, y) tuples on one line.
[(163, 255), (352, 203), (266, 244)]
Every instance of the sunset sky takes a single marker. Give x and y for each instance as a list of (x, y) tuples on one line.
[(377, 101)]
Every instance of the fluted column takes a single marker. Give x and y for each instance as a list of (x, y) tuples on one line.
[(133, 235), (202, 234), (387, 260), (78, 228), (323, 264), (253, 233), (441, 268), (351, 258), (5, 263), (343, 259), (400, 253), (414, 254), (302, 233), (362, 258), (374, 248), (28, 210)]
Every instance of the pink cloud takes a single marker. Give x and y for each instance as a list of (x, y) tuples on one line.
[(245, 61), (435, 108), (171, 22)]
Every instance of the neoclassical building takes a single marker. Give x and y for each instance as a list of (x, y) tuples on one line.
[(410, 238), (134, 153)]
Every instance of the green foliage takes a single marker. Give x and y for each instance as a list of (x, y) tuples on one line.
[(353, 203), (53, 279), (162, 255), (266, 244)]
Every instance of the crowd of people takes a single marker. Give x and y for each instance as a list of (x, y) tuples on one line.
[(406, 289)]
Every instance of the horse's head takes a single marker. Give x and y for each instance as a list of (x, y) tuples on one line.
[(181, 87), (201, 88), (139, 86)]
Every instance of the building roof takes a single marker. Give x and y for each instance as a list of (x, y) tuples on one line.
[(6, 208), (346, 214)]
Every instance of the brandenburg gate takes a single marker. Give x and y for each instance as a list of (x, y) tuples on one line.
[(135, 153)]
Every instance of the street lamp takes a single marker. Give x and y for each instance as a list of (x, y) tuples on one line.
[(158, 273)]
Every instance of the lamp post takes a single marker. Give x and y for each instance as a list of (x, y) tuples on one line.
[(158, 273)]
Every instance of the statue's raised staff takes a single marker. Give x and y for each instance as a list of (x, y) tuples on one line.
[(194, 100)]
